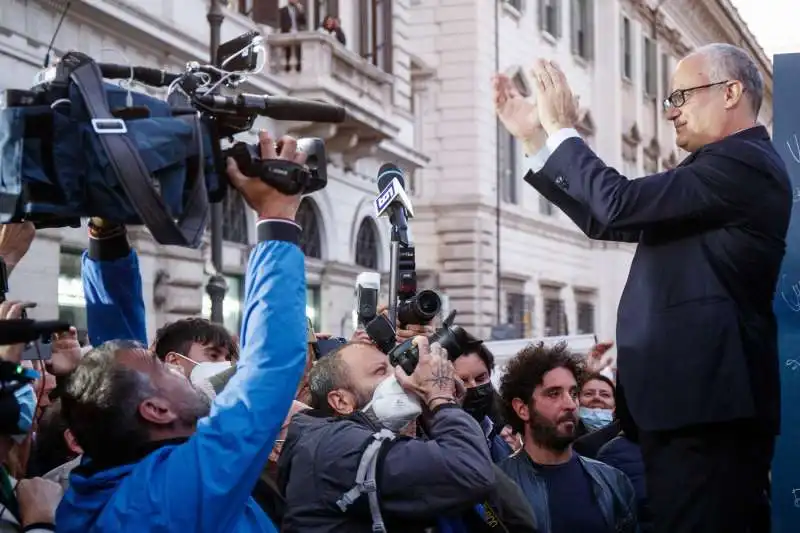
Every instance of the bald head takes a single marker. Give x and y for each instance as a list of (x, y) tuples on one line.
[(725, 61)]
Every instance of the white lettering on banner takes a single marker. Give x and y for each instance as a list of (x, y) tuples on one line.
[(792, 364), (794, 151), (792, 300), (385, 198), (796, 496)]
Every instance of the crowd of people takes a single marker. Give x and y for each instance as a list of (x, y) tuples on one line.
[(203, 429)]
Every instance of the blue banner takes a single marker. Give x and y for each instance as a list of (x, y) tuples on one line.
[(786, 466)]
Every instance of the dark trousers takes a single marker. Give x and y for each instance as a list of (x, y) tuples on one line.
[(710, 478)]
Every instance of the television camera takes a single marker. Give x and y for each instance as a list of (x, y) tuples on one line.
[(77, 146)]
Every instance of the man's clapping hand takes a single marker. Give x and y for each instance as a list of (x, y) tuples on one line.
[(519, 115), (558, 107)]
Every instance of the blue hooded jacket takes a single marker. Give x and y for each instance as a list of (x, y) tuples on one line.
[(204, 484)]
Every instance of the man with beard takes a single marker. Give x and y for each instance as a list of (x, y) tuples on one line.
[(567, 492), (358, 399)]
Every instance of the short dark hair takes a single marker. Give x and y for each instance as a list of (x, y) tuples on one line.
[(526, 370), (596, 376), (179, 336), (100, 402), (327, 374)]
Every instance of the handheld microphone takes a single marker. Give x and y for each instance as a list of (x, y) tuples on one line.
[(368, 287), (393, 200)]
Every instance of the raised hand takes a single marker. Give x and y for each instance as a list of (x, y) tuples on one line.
[(519, 115), (558, 107)]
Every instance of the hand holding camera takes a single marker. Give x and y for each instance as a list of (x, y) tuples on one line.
[(267, 201), (433, 379)]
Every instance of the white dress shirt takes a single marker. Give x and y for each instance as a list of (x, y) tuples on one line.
[(537, 161)]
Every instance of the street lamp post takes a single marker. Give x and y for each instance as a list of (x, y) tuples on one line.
[(216, 288)]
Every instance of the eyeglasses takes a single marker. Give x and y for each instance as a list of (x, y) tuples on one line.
[(678, 97)]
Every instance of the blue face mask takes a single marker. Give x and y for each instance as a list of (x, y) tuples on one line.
[(26, 398), (596, 418)]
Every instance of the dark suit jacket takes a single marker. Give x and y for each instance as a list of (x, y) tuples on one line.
[(696, 334), (286, 20)]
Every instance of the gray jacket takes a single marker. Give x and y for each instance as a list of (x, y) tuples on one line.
[(418, 481), (612, 488)]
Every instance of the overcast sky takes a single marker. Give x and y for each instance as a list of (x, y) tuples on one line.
[(773, 22)]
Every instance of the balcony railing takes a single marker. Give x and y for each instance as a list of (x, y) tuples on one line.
[(315, 65)]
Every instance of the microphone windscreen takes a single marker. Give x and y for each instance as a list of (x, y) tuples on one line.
[(387, 173)]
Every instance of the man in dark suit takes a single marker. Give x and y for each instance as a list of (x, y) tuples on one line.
[(292, 20), (696, 335)]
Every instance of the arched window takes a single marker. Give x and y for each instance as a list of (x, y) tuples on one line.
[(234, 218), (308, 219), (367, 245)]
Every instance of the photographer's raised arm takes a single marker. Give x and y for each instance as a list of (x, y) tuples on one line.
[(208, 479), (112, 286)]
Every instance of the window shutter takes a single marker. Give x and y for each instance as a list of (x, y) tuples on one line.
[(575, 25), (266, 12), (542, 14), (333, 8), (502, 151), (557, 7), (388, 32), (589, 29)]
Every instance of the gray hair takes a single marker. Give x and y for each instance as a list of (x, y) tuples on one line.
[(327, 374), (729, 62)]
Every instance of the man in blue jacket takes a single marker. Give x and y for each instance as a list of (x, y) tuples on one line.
[(150, 465)]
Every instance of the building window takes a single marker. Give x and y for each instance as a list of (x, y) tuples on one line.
[(232, 305), (71, 300), (518, 307), (665, 75), (234, 218), (582, 24), (308, 219), (545, 206), (555, 318), (367, 244), (325, 8), (314, 306), (585, 308), (550, 17), (375, 40), (507, 163), (650, 67), (627, 49), (245, 7)]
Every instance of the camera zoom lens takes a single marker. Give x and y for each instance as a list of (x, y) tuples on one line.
[(429, 303)]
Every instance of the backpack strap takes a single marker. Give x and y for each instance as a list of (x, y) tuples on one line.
[(365, 480), (132, 173)]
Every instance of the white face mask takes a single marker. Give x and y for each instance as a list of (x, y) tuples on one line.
[(392, 407), (203, 371)]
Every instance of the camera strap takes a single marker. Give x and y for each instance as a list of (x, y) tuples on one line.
[(132, 172)]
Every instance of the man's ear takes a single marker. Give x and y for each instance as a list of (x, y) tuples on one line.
[(173, 358), (521, 408), (157, 411), (733, 94), (342, 402)]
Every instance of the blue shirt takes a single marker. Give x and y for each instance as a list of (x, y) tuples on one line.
[(571, 501)]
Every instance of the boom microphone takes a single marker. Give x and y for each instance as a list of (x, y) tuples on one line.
[(22, 330)]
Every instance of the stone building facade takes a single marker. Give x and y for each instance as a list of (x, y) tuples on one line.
[(503, 254), (370, 76)]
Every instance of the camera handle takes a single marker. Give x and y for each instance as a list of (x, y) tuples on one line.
[(287, 177)]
